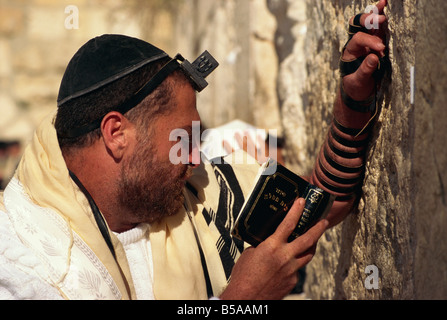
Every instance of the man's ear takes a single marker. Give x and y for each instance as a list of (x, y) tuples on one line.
[(115, 130)]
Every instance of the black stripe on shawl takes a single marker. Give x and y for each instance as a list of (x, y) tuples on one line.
[(231, 200)]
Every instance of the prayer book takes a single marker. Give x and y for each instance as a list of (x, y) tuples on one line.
[(275, 189)]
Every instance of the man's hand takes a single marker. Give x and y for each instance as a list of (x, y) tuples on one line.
[(259, 150), (340, 165), (360, 85), (269, 271)]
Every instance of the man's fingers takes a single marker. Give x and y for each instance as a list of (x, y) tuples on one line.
[(367, 68), (289, 223), (362, 44), (363, 41), (306, 257), (309, 239), (227, 146), (369, 19), (374, 19), (261, 146), (378, 9), (360, 84), (381, 5), (246, 143)]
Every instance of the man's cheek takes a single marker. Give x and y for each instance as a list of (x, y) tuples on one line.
[(180, 151)]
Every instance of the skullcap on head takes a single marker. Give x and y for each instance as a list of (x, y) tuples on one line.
[(103, 60)]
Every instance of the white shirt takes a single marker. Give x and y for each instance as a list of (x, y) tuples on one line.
[(139, 255)]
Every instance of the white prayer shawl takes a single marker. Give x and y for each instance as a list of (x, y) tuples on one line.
[(20, 268), (70, 264)]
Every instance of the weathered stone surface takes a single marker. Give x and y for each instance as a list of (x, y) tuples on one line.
[(11, 20), (398, 224), (430, 158)]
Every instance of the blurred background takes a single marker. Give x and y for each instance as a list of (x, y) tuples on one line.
[(278, 70), (38, 38)]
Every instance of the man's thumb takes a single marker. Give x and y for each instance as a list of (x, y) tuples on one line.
[(372, 60), (368, 67)]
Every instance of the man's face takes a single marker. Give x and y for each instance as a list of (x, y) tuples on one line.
[(150, 185)]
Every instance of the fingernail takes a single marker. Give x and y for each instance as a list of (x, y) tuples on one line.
[(371, 62)]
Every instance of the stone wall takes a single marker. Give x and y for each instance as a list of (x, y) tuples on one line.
[(398, 227)]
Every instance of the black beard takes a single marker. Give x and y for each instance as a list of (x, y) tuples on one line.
[(148, 189)]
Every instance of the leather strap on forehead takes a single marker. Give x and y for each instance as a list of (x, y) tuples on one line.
[(197, 72), (142, 93)]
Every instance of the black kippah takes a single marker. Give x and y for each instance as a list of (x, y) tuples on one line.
[(103, 60), (108, 58)]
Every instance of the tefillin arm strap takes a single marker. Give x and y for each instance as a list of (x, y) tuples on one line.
[(102, 225)]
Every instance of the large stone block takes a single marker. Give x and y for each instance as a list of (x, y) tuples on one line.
[(397, 226), (11, 20)]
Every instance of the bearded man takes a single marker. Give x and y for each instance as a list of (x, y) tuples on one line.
[(96, 209)]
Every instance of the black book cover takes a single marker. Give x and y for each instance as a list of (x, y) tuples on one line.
[(270, 200)]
